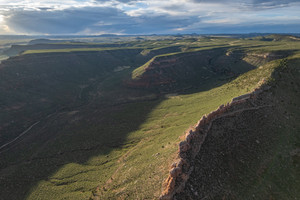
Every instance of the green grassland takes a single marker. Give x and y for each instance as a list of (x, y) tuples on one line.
[(98, 138)]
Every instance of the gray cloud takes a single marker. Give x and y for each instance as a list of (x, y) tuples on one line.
[(66, 21), (274, 1), (269, 4), (251, 3), (248, 1), (122, 1), (148, 20), (90, 20)]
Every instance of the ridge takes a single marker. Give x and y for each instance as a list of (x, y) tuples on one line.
[(195, 137)]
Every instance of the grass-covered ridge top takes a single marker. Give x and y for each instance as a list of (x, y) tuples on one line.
[(181, 70), (251, 47), (136, 74)]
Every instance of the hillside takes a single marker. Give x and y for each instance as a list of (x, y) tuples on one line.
[(106, 123), (275, 37), (246, 149), (173, 72)]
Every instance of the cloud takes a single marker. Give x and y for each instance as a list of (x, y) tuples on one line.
[(145, 16), (260, 4), (247, 1), (274, 1), (123, 1), (89, 20), (71, 20)]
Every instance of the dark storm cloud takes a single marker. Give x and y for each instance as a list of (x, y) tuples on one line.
[(90, 20), (59, 22), (248, 1), (266, 4), (70, 20)]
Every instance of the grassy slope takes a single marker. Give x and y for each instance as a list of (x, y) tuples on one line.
[(175, 115), (165, 124), (146, 151), (255, 154), (280, 179), (280, 176)]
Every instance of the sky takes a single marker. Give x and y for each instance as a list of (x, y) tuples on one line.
[(93, 17)]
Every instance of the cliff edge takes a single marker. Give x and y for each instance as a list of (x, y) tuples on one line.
[(244, 149)]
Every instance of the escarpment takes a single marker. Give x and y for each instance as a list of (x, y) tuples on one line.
[(256, 58), (182, 168), (192, 69)]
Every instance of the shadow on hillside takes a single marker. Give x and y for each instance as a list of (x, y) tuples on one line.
[(77, 134)]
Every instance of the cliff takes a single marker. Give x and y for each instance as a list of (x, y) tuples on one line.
[(245, 149), (193, 69), (189, 148)]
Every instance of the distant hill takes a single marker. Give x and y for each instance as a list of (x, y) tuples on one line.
[(278, 37), (172, 72), (57, 44), (48, 41)]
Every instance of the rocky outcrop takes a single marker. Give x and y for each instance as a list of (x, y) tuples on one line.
[(194, 138), (258, 58)]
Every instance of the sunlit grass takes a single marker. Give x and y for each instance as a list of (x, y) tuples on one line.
[(139, 170)]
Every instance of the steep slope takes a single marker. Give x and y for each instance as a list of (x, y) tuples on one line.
[(247, 149), (175, 72), (162, 132)]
